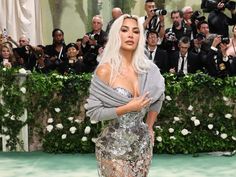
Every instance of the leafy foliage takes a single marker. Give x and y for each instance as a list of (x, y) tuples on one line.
[(198, 114)]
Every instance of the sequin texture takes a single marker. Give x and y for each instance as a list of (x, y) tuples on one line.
[(123, 149)]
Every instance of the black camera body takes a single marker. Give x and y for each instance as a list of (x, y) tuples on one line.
[(209, 5), (225, 40), (159, 12), (197, 15), (200, 36), (170, 36), (93, 36), (231, 5)]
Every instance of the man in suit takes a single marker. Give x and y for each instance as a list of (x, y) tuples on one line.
[(91, 43), (154, 53), (183, 61)]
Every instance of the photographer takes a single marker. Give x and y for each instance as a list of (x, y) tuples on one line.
[(217, 20), (26, 55), (91, 43), (213, 54), (177, 31), (55, 54), (154, 20)]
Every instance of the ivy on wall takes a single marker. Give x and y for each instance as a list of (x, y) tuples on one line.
[(198, 114)]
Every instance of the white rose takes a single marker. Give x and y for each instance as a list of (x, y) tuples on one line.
[(78, 120), (23, 90), (176, 119), (1, 89), (13, 117), (7, 137), (171, 130), (63, 136), (49, 128), (159, 139), (84, 138), (93, 121), (6, 115), (190, 108), (193, 118), (172, 138), (223, 135), (2, 102), (168, 98), (22, 71), (211, 115), (87, 130), (196, 122), (70, 118), (5, 129), (59, 126), (57, 109), (94, 140), (50, 120), (184, 132), (225, 99), (217, 132), (4, 69), (234, 138), (73, 129), (210, 126), (158, 127), (228, 116)]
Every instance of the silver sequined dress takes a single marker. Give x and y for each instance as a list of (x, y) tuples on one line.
[(124, 149)]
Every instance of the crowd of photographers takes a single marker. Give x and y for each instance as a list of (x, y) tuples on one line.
[(192, 43)]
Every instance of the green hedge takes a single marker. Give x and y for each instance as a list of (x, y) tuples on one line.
[(198, 114)]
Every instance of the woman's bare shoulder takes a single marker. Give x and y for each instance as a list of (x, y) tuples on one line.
[(103, 72)]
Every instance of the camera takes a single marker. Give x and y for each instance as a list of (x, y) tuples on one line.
[(197, 16), (93, 36), (159, 12), (209, 5), (225, 40), (170, 36), (230, 5), (200, 36)]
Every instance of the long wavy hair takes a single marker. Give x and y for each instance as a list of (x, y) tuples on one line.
[(112, 55)]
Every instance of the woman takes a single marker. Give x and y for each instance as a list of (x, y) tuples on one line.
[(125, 86), (7, 56), (231, 49), (73, 64)]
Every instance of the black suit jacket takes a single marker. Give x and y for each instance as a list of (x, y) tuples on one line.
[(193, 63), (161, 60)]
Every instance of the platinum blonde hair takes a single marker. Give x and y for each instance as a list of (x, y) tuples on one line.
[(111, 53)]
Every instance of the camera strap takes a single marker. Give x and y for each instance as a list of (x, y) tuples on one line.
[(59, 56)]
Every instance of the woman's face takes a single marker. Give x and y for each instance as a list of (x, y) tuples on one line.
[(129, 34), (5, 53), (72, 52)]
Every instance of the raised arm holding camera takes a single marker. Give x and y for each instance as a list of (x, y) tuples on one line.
[(154, 20), (218, 21), (91, 43)]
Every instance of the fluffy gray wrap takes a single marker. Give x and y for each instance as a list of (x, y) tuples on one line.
[(103, 99)]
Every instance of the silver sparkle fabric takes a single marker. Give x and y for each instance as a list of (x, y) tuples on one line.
[(123, 149)]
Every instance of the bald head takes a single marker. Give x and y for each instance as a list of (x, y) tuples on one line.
[(116, 12)]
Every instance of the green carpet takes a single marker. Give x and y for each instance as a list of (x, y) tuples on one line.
[(38, 164)]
